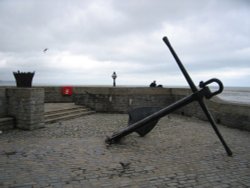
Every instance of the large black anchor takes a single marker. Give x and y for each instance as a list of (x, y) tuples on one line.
[(142, 120)]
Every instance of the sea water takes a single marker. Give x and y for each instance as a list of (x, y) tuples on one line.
[(232, 94), (236, 94)]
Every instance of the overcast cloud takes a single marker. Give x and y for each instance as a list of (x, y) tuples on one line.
[(89, 39)]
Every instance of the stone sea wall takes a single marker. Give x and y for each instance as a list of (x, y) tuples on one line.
[(3, 102), (121, 99)]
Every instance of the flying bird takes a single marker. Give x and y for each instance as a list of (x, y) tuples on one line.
[(45, 50)]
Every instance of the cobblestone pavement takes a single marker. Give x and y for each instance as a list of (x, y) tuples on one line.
[(178, 152)]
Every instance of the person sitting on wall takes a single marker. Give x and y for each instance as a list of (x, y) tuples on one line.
[(153, 84)]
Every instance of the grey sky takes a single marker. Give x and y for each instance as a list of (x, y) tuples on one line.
[(89, 39)]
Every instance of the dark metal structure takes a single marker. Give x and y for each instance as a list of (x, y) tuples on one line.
[(23, 79), (143, 120), (114, 76)]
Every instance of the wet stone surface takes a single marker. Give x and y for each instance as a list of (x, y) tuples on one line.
[(178, 152)]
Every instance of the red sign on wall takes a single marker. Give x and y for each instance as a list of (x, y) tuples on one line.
[(67, 90)]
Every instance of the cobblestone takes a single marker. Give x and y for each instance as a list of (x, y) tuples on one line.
[(178, 152)]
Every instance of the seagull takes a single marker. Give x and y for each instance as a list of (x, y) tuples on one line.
[(45, 50)]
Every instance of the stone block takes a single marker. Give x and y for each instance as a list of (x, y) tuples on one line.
[(27, 106), (3, 107)]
